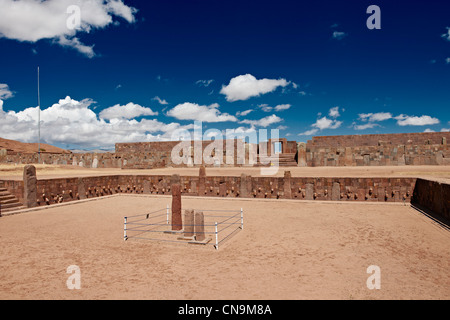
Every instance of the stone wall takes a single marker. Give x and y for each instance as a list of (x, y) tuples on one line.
[(379, 150), (51, 191), (86, 160), (420, 138), (351, 150), (434, 196)]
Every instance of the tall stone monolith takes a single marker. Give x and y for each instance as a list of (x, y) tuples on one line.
[(201, 181), (287, 185), (177, 222), (199, 222), (301, 154), (189, 223), (29, 186)]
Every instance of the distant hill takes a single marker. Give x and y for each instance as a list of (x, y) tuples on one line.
[(17, 146)]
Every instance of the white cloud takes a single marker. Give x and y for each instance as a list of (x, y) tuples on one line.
[(5, 92), (246, 86), (325, 123), (339, 35), (74, 43), (265, 107), (204, 83), (33, 20), (372, 117), (334, 112), (445, 130), (71, 122), (282, 107), (447, 60), (446, 36), (429, 130), (128, 111), (239, 131), (160, 101), (193, 111), (309, 132), (264, 122), (405, 120), (244, 113), (368, 125)]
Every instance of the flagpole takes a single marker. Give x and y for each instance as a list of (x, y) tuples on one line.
[(39, 121)]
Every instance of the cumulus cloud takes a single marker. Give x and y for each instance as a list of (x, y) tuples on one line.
[(128, 111), (72, 122), (5, 93), (193, 111), (244, 87), (34, 20), (405, 120), (334, 112), (264, 122), (324, 123), (371, 117)]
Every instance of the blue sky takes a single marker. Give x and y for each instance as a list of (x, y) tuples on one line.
[(138, 70)]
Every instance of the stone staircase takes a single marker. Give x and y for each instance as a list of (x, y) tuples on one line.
[(284, 160), (8, 202), (287, 160)]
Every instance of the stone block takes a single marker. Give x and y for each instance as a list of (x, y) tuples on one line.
[(336, 191), (309, 191)]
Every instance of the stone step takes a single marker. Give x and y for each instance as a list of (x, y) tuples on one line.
[(5, 195), (10, 200), (8, 210), (11, 205), (3, 190)]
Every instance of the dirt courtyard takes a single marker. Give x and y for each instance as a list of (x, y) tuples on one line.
[(288, 250)]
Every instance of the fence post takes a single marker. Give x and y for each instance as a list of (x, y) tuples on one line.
[(217, 242), (125, 229), (167, 214), (242, 219)]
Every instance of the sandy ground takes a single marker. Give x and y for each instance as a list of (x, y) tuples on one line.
[(441, 173), (287, 250)]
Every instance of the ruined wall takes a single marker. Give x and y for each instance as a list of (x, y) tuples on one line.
[(434, 196), (379, 150), (50, 191), (350, 150), (86, 160), (420, 138)]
